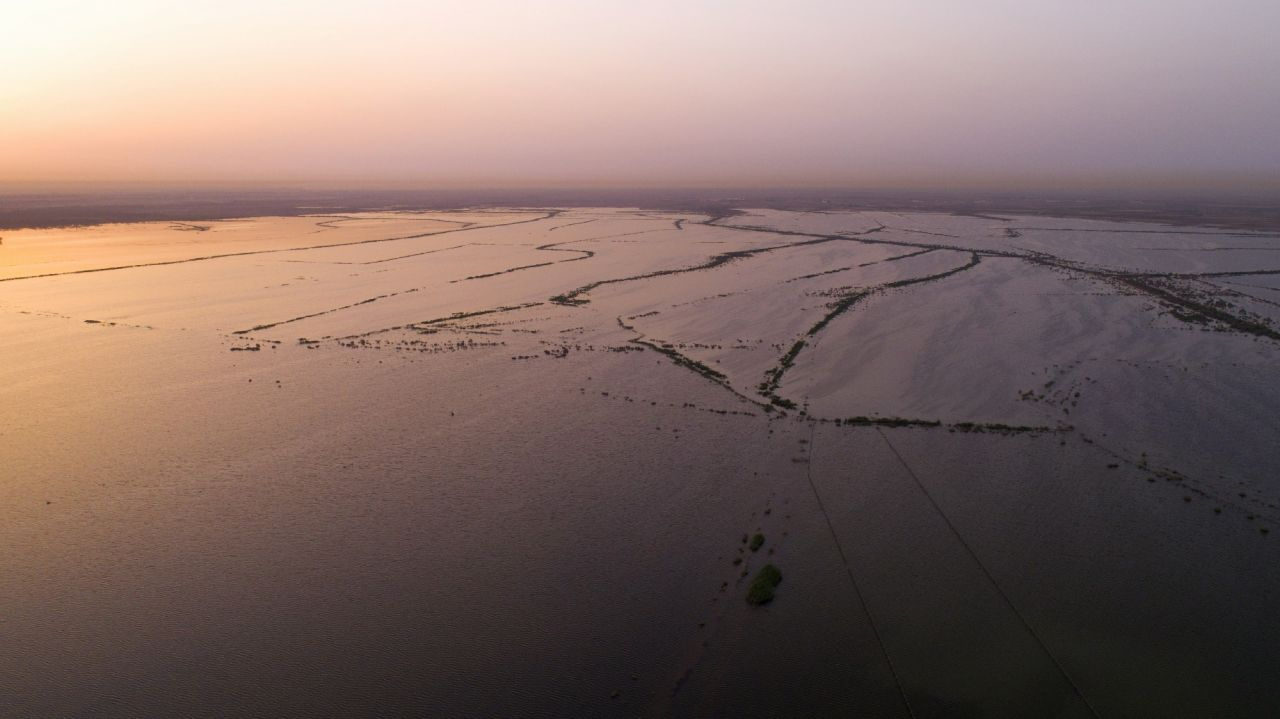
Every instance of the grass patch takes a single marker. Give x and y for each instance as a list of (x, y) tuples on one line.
[(757, 541)]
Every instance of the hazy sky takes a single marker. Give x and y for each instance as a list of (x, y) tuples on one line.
[(512, 92)]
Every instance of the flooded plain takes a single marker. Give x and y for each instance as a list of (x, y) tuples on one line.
[(514, 463)]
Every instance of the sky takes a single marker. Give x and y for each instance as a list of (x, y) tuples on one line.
[(859, 93)]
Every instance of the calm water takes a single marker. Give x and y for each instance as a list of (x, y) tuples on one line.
[(525, 513)]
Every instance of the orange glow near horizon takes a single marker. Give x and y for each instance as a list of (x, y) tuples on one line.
[(740, 93)]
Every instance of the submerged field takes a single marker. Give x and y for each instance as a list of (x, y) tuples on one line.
[(515, 463)]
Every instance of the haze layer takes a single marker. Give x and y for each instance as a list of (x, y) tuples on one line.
[(935, 93)]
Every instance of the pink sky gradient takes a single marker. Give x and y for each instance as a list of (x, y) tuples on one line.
[(875, 93)]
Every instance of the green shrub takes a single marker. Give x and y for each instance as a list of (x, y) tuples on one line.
[(762, 586)]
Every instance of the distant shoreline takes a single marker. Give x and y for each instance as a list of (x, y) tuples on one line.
[(67, 209)]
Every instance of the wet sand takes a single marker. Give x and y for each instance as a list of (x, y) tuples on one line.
[(502, 462)]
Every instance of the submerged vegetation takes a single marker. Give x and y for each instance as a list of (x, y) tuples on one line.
[(847, 299), (861, 421), (573, 297), (774, 375), (676, 356), (976, 427), (1000, 428)]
